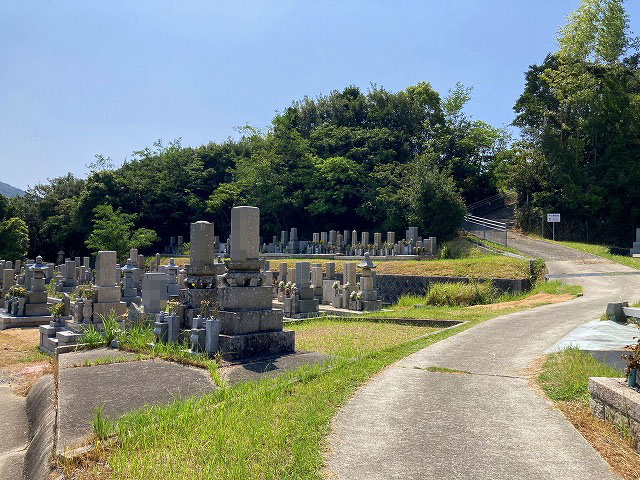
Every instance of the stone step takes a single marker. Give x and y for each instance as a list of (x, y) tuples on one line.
[(67, 337)]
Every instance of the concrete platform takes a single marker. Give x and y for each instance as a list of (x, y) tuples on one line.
[(78, 359), (9, 321), (269, 367), (119, 388)]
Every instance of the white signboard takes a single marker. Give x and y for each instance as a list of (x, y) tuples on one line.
[(553, 217)]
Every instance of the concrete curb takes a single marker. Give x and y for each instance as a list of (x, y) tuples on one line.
[(42, 418)]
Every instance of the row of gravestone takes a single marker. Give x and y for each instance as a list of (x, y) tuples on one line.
[(348, 243)]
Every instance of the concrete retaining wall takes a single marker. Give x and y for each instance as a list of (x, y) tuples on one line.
[(42, 419), (614, 402), (392, 287)]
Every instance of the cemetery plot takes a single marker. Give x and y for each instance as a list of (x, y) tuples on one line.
[(351, 338)]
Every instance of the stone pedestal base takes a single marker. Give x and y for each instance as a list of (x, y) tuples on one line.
[(236, 299), (239, 323), (104, 309), (371, 305), (234, 347), (36, 309)]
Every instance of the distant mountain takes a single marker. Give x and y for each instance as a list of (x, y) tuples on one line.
[(9, 191)]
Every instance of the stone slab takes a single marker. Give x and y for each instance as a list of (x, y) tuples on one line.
[(237, 299), (74, 359), (235, 347), (106, 273), (269, 367), (107, 294), (36, 309), (105, 309), (119, 388), (614, 402), (7, 321), (238, 323)]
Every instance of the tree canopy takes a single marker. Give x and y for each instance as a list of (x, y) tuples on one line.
[(580, 118), (346, 160)]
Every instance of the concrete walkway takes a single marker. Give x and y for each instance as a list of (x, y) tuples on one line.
[(409, 423)]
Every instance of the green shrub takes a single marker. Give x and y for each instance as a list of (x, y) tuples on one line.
[(461, 294), (565, 375), (537, 269), (111, 327), (91, 337)]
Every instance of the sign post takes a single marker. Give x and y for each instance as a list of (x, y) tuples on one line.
[(553, 218)]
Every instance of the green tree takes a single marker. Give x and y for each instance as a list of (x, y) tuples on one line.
[(113, 230), (580, 118), (14, 239), (435, 205)]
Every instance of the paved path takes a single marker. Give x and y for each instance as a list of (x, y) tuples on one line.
[(409, 423)]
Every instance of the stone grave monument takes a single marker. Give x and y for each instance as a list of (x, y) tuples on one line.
[(249, 325)]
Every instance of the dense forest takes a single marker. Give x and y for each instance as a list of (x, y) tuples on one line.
[(368, 161), (381, 160)]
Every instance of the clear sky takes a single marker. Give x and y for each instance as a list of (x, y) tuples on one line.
[(86, 77)]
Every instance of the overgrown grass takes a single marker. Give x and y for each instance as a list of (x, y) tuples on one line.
[(91, 337), (107, 360), (351, 337), (565, 375), (34, 355), (460, 293), (602, 251)]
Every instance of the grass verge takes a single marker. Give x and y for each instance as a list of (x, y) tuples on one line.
[(489, 266), (564, 378)]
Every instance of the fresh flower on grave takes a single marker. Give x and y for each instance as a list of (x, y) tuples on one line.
[(359, 295), (281, 285), (348, 284), (17, 291), (354, 295), (57, 309), (336, 285)]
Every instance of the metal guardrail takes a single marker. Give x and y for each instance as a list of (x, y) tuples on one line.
[(484, 201), (486, 229)]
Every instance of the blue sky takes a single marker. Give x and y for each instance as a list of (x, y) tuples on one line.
[(87, 77)]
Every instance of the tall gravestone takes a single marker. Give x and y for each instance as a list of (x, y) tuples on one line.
[(201, 272), (249, 325), (107, 298)]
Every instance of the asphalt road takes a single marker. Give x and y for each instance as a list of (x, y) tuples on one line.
[(409, 423)]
